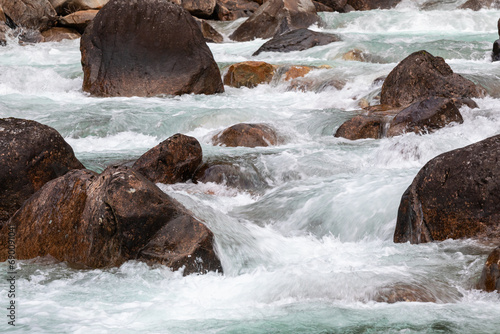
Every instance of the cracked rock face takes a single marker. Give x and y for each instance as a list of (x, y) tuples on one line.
[(455, 195)]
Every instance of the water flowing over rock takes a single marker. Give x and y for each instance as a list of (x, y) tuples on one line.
[(31, 14), (490, 277), (249, 74), (164, 52), (104, 220), (297, 40), (248, 135), (425, 116), (480, 4), (455, 195), (229, 10), (31, 154), (276, 17), (173, 160), (422, 75)]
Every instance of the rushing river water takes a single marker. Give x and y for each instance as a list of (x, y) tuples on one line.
[(308, 251)]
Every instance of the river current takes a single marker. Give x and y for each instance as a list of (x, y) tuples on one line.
[(310, 249)]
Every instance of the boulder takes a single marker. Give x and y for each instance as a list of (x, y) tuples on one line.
[(198, 8), (211, 35), (245, 178), (372, 4), (362, 127), (480, 4), (102, 221), (249, 74), (334, 5), (31, 154), (495, 56), (455, 195), (173, 160), (163, 52), (65, 7), (28, 36), (425, 116), (58, 34), (296, 71), (276, 17), (422, 75), (229, 10), (490, 277), (31, 14), (297, 40), (78, 20), (248, 135)]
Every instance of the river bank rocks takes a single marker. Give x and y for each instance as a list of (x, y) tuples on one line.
[(228, 10), (248, 135), (78, 20), (455, 195), (420, 94), (104, 220), (173, 160), (276, 17), (31, 154), (65, 7), (163, 53), (297, 40), (490, 276), (31, 14)]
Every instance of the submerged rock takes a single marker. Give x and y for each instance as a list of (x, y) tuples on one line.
[(480, 4), (362, 127), (422, 75), (297, 40), (455, 195), (403, 292), (276, 17), (249, 74), (248, 135), (425, 116), (173, 160), (164, 52), (31, 154), (490, 277), (101, 221), (30, 14)]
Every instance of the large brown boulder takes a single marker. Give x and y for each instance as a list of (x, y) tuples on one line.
[(362, 127), (78, 20), (249, 74), (31, 154), (373, 4), (163, 52), (101, 221), (173, 160), (249, 135), (490, 277), (297, 40), (198, 8), (455, 195), (211, 35), (229, 10), (65, 7), (276, 17), (31, 14), (425, 116), (422, 75)]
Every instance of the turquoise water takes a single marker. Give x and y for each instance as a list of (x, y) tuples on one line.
[(309, 250)]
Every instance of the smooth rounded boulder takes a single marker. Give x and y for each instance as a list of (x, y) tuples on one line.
[(30, 14), (104, 220), (162, 53), (455, 195), (173, 160), (31, 154), (362, 127), (249, 74), (248, 135), (422, 75), (276, 17)]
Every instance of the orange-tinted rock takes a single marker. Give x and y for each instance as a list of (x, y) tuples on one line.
[(276, 17), (78, 20), (31, 154), (422, 75), (455, 195), (31, 14), (425, 116), (229, 10), (249, 74), (173, 160), (101, 221), (361, 127), (249, 135), (297, 40), (490, 277), (296, 72), (163, 52), (58, 34)]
